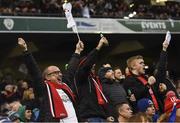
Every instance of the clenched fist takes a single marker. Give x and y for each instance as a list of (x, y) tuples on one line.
[(22, 44), (151, 80)]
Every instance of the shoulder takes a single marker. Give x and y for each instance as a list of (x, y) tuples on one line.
[(130, 79)]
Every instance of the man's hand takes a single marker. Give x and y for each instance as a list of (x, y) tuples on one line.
[(79, 47), (132, 98), (165, 45), (4, 93), (22, 44), (103, 42), (110, 119), (151, 80)]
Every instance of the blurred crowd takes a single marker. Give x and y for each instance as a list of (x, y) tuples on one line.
[(17, 99), (168, 11), (91, 8)]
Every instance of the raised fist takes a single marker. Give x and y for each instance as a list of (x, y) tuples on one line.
[(22, 44), (79, 47), (104, 41), (151, 80)]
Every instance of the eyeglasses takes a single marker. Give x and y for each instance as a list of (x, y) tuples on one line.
[(110, 71), (54, 73)]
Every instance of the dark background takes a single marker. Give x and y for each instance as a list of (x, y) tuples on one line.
[(57, 49)]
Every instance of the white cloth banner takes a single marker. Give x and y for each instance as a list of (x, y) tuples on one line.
[(67, 7)]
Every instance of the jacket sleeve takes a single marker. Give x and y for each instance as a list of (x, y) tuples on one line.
[(160, 71), (89, 60), (109, 108), (69, 75), (85, 66), (35, 73)]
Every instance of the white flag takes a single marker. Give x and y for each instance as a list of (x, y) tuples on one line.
[(71, 23), (168, 37)]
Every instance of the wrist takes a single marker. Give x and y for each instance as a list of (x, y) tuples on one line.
[(164, 49), (149, 83), (77, 51), (25, 49), (98, 47)]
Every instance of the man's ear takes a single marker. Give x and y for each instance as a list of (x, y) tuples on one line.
[(119, 111), (133, 67)]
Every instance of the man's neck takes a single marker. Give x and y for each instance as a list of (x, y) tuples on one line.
[(122, 119)]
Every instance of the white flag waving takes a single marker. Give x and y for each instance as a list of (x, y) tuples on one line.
[(71, 23)]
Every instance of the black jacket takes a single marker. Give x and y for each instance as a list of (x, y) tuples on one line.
[(40, 88), (136, 87), (88, 106)]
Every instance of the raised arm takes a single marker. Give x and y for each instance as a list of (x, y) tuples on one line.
[(160, 71), (91, 58), (73, 64), (87, 62), (32, 66)]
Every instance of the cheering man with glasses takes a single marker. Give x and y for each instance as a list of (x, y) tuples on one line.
[(55, 89)]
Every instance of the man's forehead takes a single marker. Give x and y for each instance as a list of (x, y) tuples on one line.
[(53, 68), (139, 60), (117, 70), (125, 106), (8, 86)]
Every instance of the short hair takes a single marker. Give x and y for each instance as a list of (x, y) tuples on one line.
[(140, 117), (116, 67), (118, 106), (131, 60), (26, 94)]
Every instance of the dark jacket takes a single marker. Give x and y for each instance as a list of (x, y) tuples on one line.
[(40, 88), (136, 87), (114, 92), (88, 106)]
